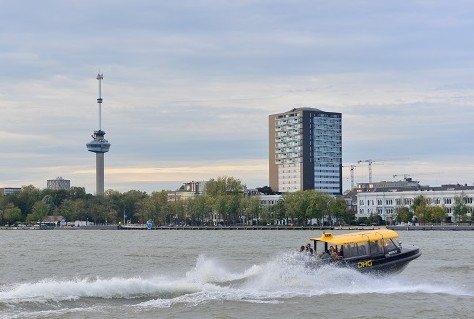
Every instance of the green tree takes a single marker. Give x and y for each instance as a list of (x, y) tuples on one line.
[(77, 193), (98, 209), (404, 214), (297, 206), (250, 209), (126, 203), (419, 200), (337, 208), (11, 214), (176, 211), (438, 214), (38, 212), (460, 208), (72, 209), (54, 197), (3, 205), (279, 210), (219, 204), (199, 209), (224, 186), (49, 201), (26, 198), (130, 201), (153, 207), (233, 208), (318, 206), (423, 214), (419, 207)]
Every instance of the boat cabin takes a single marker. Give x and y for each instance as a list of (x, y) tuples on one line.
[(357, 245)]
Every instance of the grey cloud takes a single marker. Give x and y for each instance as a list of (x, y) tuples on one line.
[(197, 79)]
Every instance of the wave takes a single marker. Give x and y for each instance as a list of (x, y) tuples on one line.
[(285, 276)]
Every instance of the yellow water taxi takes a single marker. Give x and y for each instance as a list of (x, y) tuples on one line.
[(371, 250)]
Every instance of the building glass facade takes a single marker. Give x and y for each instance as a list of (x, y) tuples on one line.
[(305, 151)]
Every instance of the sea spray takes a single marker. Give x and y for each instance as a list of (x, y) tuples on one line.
[(283, 276)]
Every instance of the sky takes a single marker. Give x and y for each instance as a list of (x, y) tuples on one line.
[(188, 87)]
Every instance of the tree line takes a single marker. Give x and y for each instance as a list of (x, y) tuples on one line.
[(223, 203), (423, 212)]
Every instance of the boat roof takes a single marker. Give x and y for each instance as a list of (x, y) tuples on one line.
[(357, 237)]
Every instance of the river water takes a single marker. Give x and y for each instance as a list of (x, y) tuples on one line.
[(222, 274)]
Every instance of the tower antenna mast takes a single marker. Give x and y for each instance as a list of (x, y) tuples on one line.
[(100, 77)]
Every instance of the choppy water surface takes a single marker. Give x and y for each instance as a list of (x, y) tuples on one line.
[(222, 274)]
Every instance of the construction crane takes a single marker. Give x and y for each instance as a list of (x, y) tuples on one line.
[(370, 167), (352, 167), (352, 176)]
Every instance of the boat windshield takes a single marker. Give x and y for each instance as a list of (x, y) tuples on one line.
[(390, 245)]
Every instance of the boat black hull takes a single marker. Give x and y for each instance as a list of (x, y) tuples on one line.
[(386, 264), (380, 265)]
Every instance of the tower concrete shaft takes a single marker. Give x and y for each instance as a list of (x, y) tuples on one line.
[(99, 173)]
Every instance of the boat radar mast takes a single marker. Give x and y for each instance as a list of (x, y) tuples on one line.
[(99, 145)]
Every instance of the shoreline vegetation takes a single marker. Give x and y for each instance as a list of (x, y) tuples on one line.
[(407, 227)]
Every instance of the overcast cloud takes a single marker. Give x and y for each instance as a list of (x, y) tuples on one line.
[(188, 87)]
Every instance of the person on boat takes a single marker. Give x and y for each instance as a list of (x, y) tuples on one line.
[(332, 252), (324, 255), (339, 253), (375, 247), (309, 250), (302, 249)]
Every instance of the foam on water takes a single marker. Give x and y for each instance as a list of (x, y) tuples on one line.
[(285, 276)]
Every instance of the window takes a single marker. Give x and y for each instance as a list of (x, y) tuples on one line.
[(355, 250), (376, 248), (447, 200), (389, 245)]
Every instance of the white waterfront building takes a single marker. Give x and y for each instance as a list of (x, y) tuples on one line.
[(384, 201)]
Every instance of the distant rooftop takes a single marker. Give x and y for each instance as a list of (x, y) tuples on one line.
[(305, 109), (407, 185)]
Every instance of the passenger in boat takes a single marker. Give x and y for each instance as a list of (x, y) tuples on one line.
[(309, 250), (332, 252), (301, 249), (324, 255), (339, 253), (375, 247)]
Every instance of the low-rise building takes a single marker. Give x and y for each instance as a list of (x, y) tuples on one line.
[(385, 201), (9, 190)]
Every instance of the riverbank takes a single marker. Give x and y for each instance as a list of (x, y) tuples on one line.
[(269, 227), (453, 227), (243, 227), (144, 227)]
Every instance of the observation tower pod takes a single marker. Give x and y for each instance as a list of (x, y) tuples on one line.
[(99, 145)]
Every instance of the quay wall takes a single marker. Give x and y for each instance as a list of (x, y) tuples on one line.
[(455, 227), (347, 228)]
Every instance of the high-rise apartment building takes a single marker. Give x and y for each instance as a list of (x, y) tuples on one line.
[(305, 151), (58, 183)]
